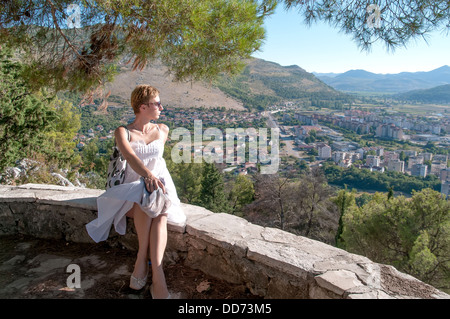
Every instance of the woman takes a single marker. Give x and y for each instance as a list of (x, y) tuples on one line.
[(142, 145)]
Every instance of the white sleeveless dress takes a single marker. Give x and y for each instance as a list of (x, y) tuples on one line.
[(118, 200)]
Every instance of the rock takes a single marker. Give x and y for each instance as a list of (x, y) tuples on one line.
[(338, 281), (62, 180), (46, 264)]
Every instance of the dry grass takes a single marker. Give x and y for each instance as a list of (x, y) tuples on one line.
[(175, 94)]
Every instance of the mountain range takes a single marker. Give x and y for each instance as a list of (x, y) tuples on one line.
[(264, 83), (259, 85), (364, 81), (439, 94)]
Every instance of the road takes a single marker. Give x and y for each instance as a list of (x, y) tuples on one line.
[(289, 148)]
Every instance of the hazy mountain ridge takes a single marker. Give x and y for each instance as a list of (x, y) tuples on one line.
[(364, 81), (438, 94)]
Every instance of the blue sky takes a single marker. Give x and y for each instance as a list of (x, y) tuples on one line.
[(321, 48)]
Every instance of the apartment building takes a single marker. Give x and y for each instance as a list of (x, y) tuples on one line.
[(373, 160), (389, 131), (419, 170), (324, 151), (396, 166)]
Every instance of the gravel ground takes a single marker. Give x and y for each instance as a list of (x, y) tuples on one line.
[(33, 268)]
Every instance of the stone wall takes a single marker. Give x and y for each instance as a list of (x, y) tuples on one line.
[(270, 262)]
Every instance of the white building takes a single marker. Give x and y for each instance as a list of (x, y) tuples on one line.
[(324, 151), (373, 160), (339, 156)]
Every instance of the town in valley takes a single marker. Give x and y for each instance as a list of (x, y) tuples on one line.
[(378, 139)]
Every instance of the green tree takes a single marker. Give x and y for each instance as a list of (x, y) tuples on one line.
[(423, 261), (95, 164), (212, 195), (400, 21), (187, 178), (242, 193), (25, 117), (390, 193), (89, 155), (412, 235), (301, 165), (363, 199), (59, 145), (343, 200), (178, 32)]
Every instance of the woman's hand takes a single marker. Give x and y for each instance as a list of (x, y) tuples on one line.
[(152, 183)]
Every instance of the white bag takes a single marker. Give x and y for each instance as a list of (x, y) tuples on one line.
[(155, 203)]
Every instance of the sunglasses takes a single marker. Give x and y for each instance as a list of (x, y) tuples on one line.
[(157, 104)]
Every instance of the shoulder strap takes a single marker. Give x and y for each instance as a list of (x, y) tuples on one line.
[(159, 130)]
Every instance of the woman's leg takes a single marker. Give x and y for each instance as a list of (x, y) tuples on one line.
[(158, 241), (142, 223)]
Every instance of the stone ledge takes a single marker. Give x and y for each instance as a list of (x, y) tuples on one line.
[(51, 194), (270, 262)]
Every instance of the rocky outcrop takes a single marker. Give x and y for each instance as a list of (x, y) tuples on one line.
[(26, 169), (270, 262)]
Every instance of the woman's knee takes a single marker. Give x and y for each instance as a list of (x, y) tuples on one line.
[(132, 212), (160, 220)]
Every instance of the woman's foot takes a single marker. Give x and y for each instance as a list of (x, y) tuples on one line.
[(137, 283), (139, 277), (168, 295)]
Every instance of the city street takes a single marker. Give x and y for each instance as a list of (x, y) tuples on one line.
[(289, 148)]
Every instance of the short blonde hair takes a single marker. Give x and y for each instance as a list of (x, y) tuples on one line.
[(142, 95)]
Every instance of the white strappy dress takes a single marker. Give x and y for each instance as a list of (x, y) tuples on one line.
[(113, 204)]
